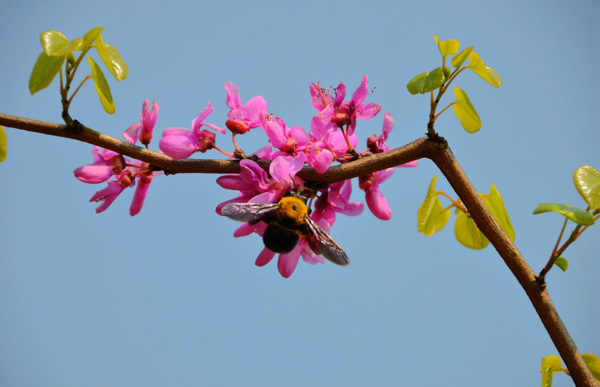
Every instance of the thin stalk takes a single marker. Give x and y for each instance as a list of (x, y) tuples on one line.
[(437, 115), (76, 90)]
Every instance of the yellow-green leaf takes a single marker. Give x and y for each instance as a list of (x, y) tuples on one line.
[(461, 57), (426, 82), (90, 36), (466, 113), (593, 364), (447, 47), (432, 217), (102, 87), (468, 234), (112, 59), (562, 263), (74, 44), (485, 72), (2, 144), (52, 41), (45, 69), (587, 181), (495, 204), (577, 215), (550, 365)]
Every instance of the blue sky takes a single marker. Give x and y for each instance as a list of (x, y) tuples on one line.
[(169, 297)]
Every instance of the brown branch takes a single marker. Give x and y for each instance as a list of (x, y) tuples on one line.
[(538, 295), (369, 164), (438, 151)]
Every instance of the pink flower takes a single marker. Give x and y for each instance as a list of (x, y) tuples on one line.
[(124, 180), (108, 195), (148, 119), (106, 163), (241, 119), (181, 143), (376, 202), (286, 263), (336, 199), (288, 140), (377, 144), (335, 112)]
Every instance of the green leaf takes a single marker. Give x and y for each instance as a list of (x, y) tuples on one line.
[(432, 217), (466, 113), (426, 82), (52, 41), (74, 44), (468, 234), (577, 215), (562, 263), (495, 204), (593, 364), (90, 36), (550, 365), (111, 58), (2, 144), (102, 87), (462, 56), (45, 69), (447, 47), (587, 181), (485, 72)]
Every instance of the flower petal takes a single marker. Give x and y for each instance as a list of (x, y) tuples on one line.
[(340, 94), (361, 91), (201, 117), (252, 110), (233, 182), (148, 118), (94, 173), (179, 146), (384, 175), (378, 204), (321, 123), (370, 110), (233, 100), (140, 195), (264, 257), (388, 125), (215, 128), (273, 130), (321, 161), (131, 134), (283, 169), (107, 196), (287, 262), (410, 164), (315, 96)]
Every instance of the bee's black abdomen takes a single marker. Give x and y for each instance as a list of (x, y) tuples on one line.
[(280, 239)]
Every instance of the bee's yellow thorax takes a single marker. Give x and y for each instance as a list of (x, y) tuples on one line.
[(292, 209)]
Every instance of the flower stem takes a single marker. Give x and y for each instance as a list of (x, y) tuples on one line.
[(225, 153)]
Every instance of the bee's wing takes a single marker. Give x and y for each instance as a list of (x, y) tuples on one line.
[(249, 212), (321, 243)]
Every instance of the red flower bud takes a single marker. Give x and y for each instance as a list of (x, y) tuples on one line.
[(206, 141), (237, 126), (367, 182), (372, 144)]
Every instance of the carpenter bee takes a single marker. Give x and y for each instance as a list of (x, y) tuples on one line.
[(287, 220)]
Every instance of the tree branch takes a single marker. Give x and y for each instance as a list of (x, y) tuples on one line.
[(369, 164), (538, 295), (438, 151)]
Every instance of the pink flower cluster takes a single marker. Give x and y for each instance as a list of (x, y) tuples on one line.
[(331, 138)]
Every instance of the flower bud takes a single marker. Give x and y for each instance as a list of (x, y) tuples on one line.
[(290, 145), (237, 126), (145, 137), (366, 182), (372, 144), (206, 141)]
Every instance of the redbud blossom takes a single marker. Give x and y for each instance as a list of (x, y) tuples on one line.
[(242, 118), (144, 130)]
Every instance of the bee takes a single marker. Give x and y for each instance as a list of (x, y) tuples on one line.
[(287, 220)]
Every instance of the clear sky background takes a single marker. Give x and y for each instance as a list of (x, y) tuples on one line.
[(169, 297)]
